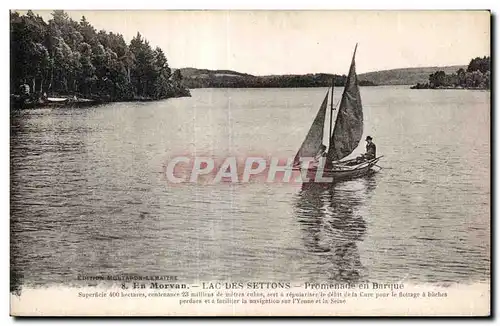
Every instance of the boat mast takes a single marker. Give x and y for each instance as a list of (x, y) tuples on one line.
[(331, 102), (331, 115)]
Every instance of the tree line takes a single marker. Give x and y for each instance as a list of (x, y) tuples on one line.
[(477, 75), (68, 57), (214, 79)]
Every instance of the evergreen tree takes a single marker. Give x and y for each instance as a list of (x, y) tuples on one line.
[(67, 57)]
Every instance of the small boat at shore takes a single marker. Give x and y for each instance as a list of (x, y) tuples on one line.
[(30, 102), (343, 139), (57, 99)]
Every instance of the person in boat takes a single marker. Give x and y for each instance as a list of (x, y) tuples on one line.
[(321, 152), (371, 151)]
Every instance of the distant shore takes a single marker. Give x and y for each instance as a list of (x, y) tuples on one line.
[(427, 86), (205, 78), (477, 76)]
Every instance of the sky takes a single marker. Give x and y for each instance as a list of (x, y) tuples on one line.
[(299, 42)]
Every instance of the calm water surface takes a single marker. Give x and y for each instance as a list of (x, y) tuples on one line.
[(88, 196)]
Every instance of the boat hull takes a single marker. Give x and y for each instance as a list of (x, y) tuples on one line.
[(341, 171)]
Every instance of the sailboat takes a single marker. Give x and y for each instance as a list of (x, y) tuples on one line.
[(343, 139)]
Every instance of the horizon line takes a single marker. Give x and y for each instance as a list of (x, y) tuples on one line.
[(327, 73)]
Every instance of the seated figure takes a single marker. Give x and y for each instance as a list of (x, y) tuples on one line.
[(371, 151)]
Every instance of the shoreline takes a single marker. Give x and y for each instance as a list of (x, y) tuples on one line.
[(453, 88), (17, 102)]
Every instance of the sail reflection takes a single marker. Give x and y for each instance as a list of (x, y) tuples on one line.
[(330, 216)]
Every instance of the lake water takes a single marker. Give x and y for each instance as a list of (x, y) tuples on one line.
[(88, 195)]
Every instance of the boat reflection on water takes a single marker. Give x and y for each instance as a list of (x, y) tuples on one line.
[(330, 216)]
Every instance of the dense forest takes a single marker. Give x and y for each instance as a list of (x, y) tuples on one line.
[(64, 57), (406, 76), (203, 78), (477, 75)]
